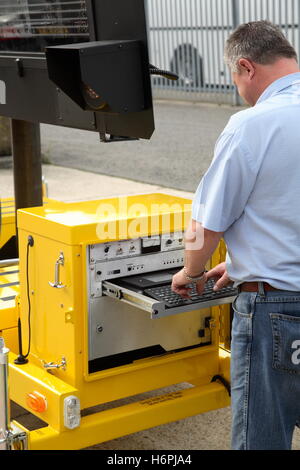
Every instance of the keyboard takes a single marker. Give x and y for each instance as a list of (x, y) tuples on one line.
[(171, 300)]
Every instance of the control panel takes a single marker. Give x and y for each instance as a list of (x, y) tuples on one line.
[(131, 257), (115, 250)]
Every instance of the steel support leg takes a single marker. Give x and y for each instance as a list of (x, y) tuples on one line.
[(4, 398), (26, 142)]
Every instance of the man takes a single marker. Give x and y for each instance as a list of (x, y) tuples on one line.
[(250, 196)]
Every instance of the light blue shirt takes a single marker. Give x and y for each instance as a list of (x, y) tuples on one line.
[(252, 189)]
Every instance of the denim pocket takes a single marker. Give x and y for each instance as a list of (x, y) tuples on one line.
[(286, 342), (243, 316), (243, 306)]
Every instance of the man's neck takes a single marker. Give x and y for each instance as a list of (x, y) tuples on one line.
[(269, 74)]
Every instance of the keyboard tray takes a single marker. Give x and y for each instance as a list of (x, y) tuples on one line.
[(172, 299), (160, 301)]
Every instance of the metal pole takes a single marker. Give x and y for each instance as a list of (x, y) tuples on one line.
[(235, 14), (26, 143), (6, 263), (4, 397), (235, 23)]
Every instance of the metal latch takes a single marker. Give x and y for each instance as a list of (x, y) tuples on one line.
[(14, 439), (59, 262), (55, 365)]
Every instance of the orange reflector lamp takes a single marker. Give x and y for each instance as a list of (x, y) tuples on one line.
[(36, 402)]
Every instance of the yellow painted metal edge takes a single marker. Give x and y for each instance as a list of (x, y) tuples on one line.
[(83, 221), (8, 230), (111, 424), (147, 363), (10, 336), (9, 308), (224, 357), (8, 317)]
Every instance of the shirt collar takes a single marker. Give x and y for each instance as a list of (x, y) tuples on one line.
[(279, 85)]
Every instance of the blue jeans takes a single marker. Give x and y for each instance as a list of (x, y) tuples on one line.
[(265, 370)]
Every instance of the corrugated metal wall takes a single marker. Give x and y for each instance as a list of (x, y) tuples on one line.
[(188, 36)]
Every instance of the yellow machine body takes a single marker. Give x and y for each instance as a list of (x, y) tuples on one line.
[(54, 276), (9, 276)]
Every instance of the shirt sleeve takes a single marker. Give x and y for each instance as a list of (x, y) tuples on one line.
[(223, 193)]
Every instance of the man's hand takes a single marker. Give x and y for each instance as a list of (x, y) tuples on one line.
[(180, 285), (219, 273)]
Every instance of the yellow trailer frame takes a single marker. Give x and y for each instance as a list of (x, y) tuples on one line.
[(116, 422)]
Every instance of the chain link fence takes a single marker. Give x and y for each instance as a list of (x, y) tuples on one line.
[(188, 37)]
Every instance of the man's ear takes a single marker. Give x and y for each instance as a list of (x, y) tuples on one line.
[(247, 66)]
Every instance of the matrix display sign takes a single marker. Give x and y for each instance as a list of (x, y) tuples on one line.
[(32, 25)]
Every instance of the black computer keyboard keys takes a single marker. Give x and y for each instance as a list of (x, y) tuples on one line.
[(171, 300)]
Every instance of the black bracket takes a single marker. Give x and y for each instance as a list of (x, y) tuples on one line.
[(223, 381), (20, 68), (108, 138)]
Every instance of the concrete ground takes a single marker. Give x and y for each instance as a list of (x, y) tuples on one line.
[(177, 155), (210, 431)]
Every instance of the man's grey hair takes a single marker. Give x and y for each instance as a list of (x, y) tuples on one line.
[(259, 41)]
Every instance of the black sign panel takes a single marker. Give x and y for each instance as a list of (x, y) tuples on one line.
[(85, 88), (32, 25)]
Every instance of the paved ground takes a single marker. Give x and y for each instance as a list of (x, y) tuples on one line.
[(178, 155)]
